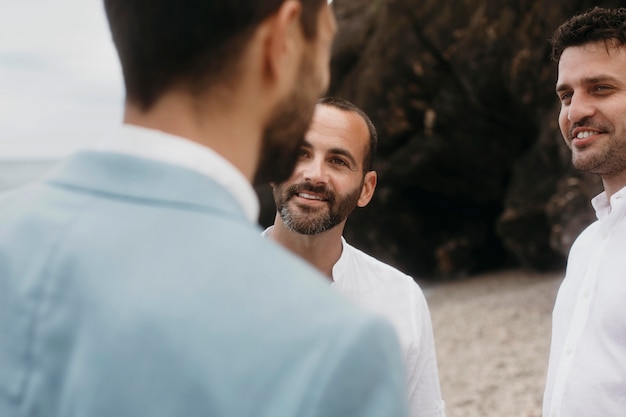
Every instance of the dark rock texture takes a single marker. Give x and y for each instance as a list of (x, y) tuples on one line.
[(473, 173)]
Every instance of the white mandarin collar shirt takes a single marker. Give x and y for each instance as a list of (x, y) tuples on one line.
[(164, 147), (385, 290), (587, 369)]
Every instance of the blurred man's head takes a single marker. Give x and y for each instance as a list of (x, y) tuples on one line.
[(292, 117), (333, 174), (202, 49)]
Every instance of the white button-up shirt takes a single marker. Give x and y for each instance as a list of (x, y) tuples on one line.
[(587, 369)]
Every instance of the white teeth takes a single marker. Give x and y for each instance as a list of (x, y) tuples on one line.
[(583, 135), (309, 196)]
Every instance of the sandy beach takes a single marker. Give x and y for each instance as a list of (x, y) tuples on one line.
[(492, 334)]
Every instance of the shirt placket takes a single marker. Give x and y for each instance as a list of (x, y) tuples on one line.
[(579, 318)]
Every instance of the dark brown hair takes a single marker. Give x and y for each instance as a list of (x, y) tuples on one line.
[(594, 25), (194, 44)]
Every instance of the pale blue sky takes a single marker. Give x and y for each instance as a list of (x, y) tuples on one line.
[(60, 81)]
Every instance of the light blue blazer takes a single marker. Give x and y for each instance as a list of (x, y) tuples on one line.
[(130, 287)]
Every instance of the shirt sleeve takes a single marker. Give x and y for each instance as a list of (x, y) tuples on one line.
[(421, 360)]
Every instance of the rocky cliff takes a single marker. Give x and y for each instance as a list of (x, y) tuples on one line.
[(473, 173)]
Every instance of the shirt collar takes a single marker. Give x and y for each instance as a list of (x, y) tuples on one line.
[(342, 263), (164, 147), (602, 205), (339, 267)]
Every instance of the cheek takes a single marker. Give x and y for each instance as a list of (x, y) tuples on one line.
[(564, 123), (322, 63), (323, 70), (297, 174)]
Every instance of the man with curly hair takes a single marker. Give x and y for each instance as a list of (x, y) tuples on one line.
[(587, 369)]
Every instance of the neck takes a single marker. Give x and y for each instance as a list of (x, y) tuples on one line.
[(231, 132), (322, 250), (612, 184)]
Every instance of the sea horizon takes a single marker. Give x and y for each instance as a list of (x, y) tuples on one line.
[(15, 172)]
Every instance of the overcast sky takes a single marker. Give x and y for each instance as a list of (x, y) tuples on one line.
[(60, 81)]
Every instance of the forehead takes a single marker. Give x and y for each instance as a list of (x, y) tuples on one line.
[(592, 61), (335, 128)]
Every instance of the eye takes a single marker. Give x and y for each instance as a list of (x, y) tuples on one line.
[(338, 161), (602, 88), (565, 97)]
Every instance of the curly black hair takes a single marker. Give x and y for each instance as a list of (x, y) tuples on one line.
[(595, 25)]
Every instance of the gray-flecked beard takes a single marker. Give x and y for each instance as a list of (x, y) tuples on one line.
[(313, 221)]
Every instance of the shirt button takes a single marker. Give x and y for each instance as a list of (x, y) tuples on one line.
[(586, 294), (553, 414)]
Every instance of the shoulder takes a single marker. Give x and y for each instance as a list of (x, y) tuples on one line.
[(373, 283), (376, 270), (586, 238)]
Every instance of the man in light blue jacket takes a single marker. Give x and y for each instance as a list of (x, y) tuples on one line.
[(133, 279)]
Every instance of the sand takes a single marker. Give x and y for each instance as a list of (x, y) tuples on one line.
[(492, 334)]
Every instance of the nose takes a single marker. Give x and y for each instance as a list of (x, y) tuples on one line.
[(580, 108), (313, 171)]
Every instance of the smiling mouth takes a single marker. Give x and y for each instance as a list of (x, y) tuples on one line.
[(310, 196), (585, 134)]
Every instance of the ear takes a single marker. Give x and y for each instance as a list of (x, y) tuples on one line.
[(369, 185), (282, 47)]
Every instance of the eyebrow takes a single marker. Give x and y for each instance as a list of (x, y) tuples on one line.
[(562, 87), (588, 80)]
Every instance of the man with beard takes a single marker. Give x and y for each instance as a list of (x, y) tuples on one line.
[(333, 176), (587, 368), (133, 279)]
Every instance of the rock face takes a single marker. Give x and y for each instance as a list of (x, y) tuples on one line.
[(473, 173)]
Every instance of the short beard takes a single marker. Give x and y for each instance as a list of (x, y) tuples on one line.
[(310, 222), (606, 159), (281, 145), (284, 134), (607, 162)]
